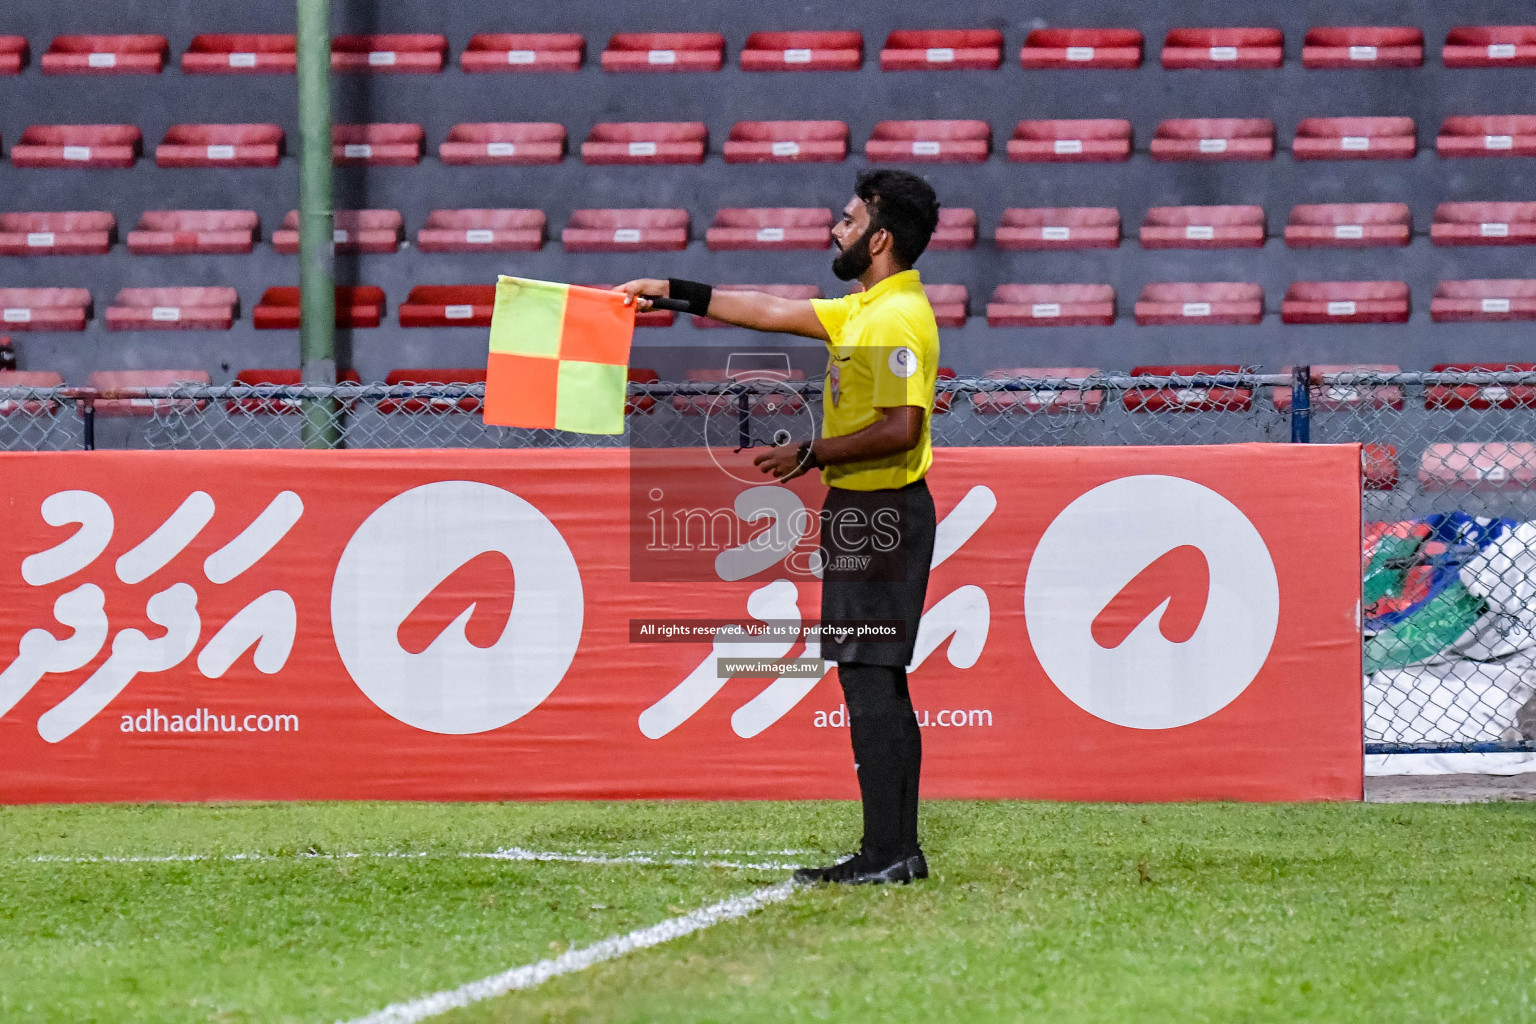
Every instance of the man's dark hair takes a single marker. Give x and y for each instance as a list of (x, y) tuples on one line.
[(903, 204)]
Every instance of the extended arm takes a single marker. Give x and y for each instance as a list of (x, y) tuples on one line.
[(757, 310)]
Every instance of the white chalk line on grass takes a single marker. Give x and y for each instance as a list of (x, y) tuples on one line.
[(530, 975), (512, 853)]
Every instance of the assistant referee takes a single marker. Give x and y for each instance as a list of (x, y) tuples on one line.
[(877, 523)]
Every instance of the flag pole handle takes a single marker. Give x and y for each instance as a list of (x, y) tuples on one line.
[(660, 302)]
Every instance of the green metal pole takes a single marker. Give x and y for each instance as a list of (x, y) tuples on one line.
[(317, 326)]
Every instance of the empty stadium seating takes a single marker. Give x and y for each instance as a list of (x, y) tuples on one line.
[(1082, 48), (664, 51), (1345, 302), (1507, 135), (803, 51), (29, 379), (956, 230), (1354, 138), (1490, 46), (354, 231), (532, 142), (783, 291), (356, 306), (14, 53), (1203, 227), (1207, 48), (123, 380), (277, 406), (225, 54), (951, 303), (930, 141), (448, 305), (1348, 225), (1483, 300), (525, 51), (435, 375), (1214, 139), (1050, 401), (44, 309), (173, 309), (1070, 141), (78, 145), (482, 231), (1051, 305), (1363, 46), (169, 232), (417, 53), (1338, 397), (942, 49), (1484, 224), (762, 404), (1196, 395), (626, 230), (380, 144), (1478, 466), (105, 55), (1196, 303), (771, 228), (62, 234), (786, 142), (1481, 396), (641, 375), (1077, 227), (220, 145), (646, 142)]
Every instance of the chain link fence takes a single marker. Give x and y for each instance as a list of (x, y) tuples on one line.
[(1449, 532)]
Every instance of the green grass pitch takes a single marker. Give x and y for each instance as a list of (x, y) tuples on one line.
[(1036, 912)]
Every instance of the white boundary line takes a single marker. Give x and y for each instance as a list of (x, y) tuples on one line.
[(531, 975), (512, 853)]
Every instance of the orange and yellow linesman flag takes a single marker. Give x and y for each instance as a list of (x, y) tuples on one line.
[(559, 357)]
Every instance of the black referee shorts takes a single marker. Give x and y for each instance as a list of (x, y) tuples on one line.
[(876, 547)]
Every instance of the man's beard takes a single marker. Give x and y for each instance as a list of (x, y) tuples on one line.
[(854, 260)]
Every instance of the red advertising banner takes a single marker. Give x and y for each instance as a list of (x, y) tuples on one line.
[(1101, 624)]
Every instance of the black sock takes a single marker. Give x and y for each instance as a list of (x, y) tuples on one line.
[(887, 750)]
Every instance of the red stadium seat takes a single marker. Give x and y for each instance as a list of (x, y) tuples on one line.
[(1485, 299), (786, 142), (278, 406), (379, 231), (1049, 401), (664, 51), (220, 145), (1481, 396), (119, 380), (942, 49), (930, 141), (29, 379), (462, 375), (241, 54), (1185, 48), (1363, 47), (1506, 135), (1203, 227), (1490, 46), (1378, 465), (78, 145), (1484, 224), (1193, 396), (173, 309), (1072, 227), (650, 318), (803, 51), (1082, 48), (626, 231), (771, 228), (105, 55), (1345, 302), (1215, 138), (646, 142), (396, 145), (448, 305), (1070, 141), (14, 53), (641, 375), (1355, 138), (1051, 305), (1478, 466), (783, 291), (356, 306), (956, 230), (1343, 397), (417, 53), (762, 405), (62, 234), (44, 309), (1348, 225), (1200, 303), (951, 303), (168, 232), (504, 143), (524, 51), (482, 231), (942, 400)]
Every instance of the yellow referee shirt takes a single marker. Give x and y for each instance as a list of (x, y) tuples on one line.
[(882, 352)]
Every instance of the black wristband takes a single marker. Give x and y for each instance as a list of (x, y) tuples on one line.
[(696, 295)]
